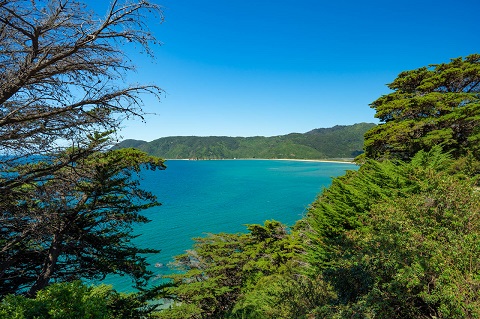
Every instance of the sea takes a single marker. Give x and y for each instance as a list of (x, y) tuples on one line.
[(213, 196)]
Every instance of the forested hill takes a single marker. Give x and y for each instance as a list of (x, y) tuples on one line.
[(325, 143)]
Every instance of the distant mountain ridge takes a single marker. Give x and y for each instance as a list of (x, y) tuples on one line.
[(340, 141)]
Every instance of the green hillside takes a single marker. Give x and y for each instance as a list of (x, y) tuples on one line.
[(341, 141)]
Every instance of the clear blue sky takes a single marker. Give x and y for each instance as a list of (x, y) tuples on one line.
[(264, 67)]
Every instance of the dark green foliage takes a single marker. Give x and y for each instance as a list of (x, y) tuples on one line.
[(75, 223), (435, 105), (132, 143), (283, 295), (67, 207), (337, 209), (60, 301), (419, 255), (75, 300), (398, 240), (335, 142), (391, 240), (222, 266)]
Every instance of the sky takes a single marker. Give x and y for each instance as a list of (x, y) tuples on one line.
[(266, 68)]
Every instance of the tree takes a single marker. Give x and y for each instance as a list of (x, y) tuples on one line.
[(221, 267), (66, 204), (62, 69), (78, 224), (434, 105), (338, 208), (283, 295), (420, 254), (74, 300), (61, 301), (398, 240)]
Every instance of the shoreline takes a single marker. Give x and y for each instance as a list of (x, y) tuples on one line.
[(268, 159), (316, 160)]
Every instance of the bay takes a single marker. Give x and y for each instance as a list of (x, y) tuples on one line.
[(200, 197)]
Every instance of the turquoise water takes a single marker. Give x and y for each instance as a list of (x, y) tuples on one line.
[(201, 197)]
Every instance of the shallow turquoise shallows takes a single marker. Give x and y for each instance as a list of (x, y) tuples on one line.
[(201, 197)]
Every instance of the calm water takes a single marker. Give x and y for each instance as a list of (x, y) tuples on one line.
[(199, 197)]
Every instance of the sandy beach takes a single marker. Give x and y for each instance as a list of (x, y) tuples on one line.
[(350, 161)]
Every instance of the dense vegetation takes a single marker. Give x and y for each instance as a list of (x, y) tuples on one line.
[(337, 142), (435, 105), (67, 204), (398, 238)]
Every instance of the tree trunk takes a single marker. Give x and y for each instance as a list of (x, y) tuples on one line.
[(49, 266)]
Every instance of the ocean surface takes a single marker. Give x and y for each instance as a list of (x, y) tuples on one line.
[(200, 197)]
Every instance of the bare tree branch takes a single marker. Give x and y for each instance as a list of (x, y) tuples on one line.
[(56, 51), (66, 206)]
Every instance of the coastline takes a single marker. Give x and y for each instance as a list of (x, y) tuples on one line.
[(350, 161), (316, 160)]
